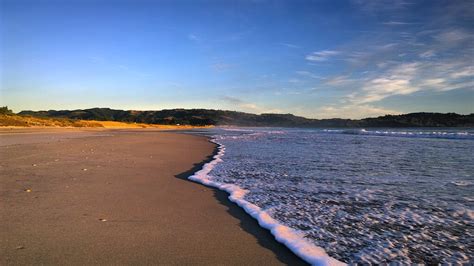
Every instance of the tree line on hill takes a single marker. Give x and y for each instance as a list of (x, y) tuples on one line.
[(5, 111), (199, 117)]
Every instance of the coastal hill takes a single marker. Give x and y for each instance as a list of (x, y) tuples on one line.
[(11, 120), (200, 117)]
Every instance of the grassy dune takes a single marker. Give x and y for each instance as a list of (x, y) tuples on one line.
[(12, 120)]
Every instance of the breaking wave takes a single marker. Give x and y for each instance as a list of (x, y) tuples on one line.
[(334, 196), (443, 134), (291, 238)]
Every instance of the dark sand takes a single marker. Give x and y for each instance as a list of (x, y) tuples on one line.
[(136, 182)]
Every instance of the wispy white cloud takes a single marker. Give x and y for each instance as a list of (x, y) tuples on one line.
[(241, 105), (397, 23), (308, 74), (356, 57), (220, 66), (290, 45), (193, 37), (427, 54), (467, 84), (463, 72), (437, 59), (353, 111), (408, 78), (396, 81), (410, 55), (339, 81), (321, 55), (374, 7), (454, 36), (293, 80), (433, 83)]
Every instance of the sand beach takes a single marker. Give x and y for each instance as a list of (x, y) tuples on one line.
[(102, 196)]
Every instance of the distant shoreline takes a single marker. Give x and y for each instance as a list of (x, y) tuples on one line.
[(210, 117)]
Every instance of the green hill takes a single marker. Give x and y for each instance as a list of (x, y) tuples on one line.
[(221, 117)]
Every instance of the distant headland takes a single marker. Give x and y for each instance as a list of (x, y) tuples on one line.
[(204, 117)]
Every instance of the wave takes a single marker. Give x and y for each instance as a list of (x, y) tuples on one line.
[(247, 134), (291, 238), (237, 129), (412, 134), (461, 183)]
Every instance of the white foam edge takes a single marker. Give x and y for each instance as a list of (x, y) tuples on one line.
[(291, 238)]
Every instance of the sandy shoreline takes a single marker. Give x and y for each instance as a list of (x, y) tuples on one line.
[(119, 197)]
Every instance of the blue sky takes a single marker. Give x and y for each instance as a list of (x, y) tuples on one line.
[(317, 59)]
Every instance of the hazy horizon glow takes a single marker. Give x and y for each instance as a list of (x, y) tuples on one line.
[(318, 59)]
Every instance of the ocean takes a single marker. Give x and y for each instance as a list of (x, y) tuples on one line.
[(353, 195)]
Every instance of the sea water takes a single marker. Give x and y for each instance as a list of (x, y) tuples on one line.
[(353, 195)]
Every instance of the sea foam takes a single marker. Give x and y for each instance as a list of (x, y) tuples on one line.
[(358, 198), (405, 133), (291, 238)]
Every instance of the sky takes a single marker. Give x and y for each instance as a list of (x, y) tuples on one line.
[(318, 59)]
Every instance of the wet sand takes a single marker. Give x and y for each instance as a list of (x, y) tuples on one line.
[(120, 197)]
